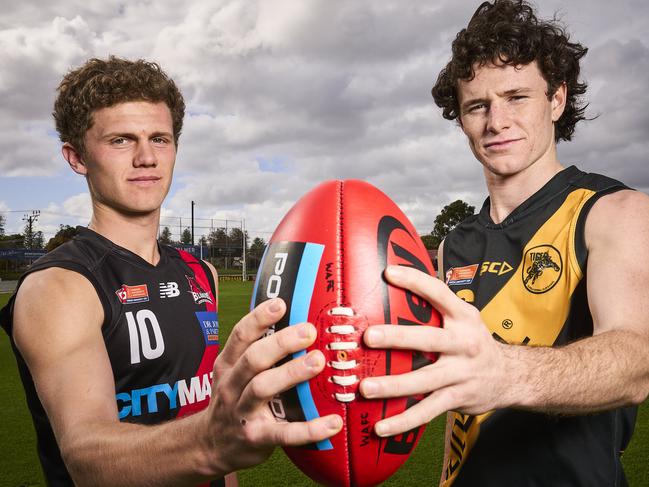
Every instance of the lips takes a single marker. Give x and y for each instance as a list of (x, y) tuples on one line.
[(500, 144), (144, 181)]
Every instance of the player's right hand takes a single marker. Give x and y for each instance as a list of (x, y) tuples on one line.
[(241, 430)]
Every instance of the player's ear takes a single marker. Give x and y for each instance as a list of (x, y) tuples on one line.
[(74, 158), (559, 101)]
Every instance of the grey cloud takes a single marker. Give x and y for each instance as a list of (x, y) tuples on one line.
[(330, 89)]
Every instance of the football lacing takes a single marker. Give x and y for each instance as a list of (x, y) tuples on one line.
[(342, 329), (342, 347), (341, 311), (345, 397), (345, 365), (344, 380)]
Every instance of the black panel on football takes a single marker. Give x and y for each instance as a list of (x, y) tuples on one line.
[(276, 279)]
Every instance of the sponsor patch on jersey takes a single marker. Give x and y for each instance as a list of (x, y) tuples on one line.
[(460, 276), (209, 322), (169, 290), (498, 268), (542, 267), (199, 294), (133, 294)]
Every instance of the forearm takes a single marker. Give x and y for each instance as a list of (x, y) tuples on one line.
[(172, 453), (598, 373)]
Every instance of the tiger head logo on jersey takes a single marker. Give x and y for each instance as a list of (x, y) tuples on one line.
[(541, 268)]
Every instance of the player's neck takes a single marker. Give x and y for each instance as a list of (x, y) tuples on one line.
[(508, 192), (135, 233)]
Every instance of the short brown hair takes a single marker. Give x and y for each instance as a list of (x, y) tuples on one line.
[(103, 83), (509, 31)]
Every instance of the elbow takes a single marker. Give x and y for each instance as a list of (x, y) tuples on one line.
[(640, 395), (74, 455)]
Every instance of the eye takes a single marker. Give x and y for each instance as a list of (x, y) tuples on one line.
[(478, 107), (119, 141), (160, 140), (518, 98)]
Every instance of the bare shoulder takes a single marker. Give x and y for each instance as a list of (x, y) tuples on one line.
[(616, 215), (215, 274), (617, 237), (212, 269), (54, 300)]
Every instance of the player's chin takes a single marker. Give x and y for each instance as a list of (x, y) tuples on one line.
[(141, 210)]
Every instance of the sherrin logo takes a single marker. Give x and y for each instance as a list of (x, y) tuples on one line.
[(541, 269)]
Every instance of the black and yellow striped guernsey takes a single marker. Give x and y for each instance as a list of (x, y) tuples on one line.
[(526, 275)]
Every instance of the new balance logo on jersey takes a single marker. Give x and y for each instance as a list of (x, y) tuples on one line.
[(169, 290)]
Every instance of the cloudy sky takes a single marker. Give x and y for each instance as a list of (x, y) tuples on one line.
[(283, 94)]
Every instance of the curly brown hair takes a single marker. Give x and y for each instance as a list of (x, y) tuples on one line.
[(103, 83), (508, 31)]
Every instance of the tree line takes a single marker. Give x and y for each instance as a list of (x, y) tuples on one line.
[(225, 247)]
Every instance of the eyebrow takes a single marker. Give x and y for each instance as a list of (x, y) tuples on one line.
[(513, 91), (126, 133)]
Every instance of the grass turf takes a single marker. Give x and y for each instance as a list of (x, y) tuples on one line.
[(19, 465)]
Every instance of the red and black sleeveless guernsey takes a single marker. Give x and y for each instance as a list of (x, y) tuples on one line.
[(160, 330), (526, 275)]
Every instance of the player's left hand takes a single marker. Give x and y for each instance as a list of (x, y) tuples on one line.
[(469, 375)]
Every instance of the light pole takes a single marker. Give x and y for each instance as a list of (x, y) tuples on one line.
[(193, 222)]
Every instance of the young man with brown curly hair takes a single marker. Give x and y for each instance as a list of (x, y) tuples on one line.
[(544, 353), (116, 337)]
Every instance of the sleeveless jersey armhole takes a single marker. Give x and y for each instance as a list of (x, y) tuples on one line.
[(210, 277), (7, 311), (80, 269), (581, 252)]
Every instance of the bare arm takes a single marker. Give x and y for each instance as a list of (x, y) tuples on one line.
[(449, 416), (476, 374), (613, 364), (67, 358)]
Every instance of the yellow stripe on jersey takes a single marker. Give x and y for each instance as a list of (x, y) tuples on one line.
[(540, 288)]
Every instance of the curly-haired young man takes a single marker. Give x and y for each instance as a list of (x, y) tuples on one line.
[(116, 337), (544, 359)]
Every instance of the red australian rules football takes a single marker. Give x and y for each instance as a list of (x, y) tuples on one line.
[(326, 261)]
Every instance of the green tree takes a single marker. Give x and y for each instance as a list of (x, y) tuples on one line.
[(32, 239), (256, 252), (186, 237), (13, 241), (217, 238), (447, 220), (430, 242), (165, 236), (38, 240), (257, 246), (236, 240), (64, 233)]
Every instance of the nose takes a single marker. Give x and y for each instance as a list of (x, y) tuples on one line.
[(498, 117), (145, 155)]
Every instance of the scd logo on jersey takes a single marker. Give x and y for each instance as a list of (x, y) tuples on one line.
[(542, 267)]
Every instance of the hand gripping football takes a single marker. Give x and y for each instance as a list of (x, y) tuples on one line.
[(326, 261)]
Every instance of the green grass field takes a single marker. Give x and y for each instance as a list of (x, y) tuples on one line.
[(19, 464)]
